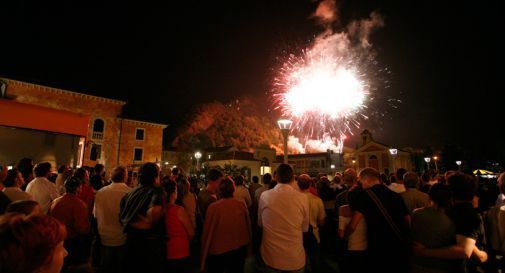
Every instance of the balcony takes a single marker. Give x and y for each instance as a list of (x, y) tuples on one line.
[(97, 135)]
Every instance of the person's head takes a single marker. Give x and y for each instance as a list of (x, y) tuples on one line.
[(99, 169), (183, 186), (440, 195), (369, 177), (239, 180), (350, 177), (226, 188), (149, 174), (411, 180), (501, 182), (337, 179), (82, 174), (25, 207), (13, 178), (304, 182), (284, 174), (384, 179), (447, 174), (73, 185), (25, 166), (31, 243), (175, 171), (42, 169), (255, 179), (267, 178), (170, 187), (399, 174), (463, 187), (119, 175), (62, 168), (214, 176), (425, 178)]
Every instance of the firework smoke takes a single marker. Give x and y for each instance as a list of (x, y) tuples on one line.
[(326, 89)]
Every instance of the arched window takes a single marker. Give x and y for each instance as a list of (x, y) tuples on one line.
[(372, 157), (98, 128)]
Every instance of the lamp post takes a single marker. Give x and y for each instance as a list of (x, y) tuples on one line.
[(459, 165), (393, 153), (435, 160), (198, 155), (285, 126), (354, 164), (427, 160)]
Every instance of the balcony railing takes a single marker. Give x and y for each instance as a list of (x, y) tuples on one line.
[(97, 135)]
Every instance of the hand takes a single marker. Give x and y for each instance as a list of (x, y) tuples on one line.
[(418, 249)]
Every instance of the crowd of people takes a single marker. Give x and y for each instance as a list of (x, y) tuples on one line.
[(86, 220)]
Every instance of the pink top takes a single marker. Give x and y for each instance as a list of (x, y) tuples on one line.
[(178, 238)]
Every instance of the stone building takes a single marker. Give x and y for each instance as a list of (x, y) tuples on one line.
[(66, 127)]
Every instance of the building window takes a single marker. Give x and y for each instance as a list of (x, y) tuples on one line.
[(314, 164), (138, 154), (139, 134), (98, 128), (96, 152)]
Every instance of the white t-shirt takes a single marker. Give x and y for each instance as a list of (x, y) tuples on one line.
[(284, 215), (357, 240), (242, 194), (43, 191), (106, 211)]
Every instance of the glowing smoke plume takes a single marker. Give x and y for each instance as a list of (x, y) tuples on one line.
[(325, 90)]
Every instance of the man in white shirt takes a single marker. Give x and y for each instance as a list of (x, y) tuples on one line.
[(398, 186), (284, 216), (42, 190), (241, 192), (106, 211), (12, 182)]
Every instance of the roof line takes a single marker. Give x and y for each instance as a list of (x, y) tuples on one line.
[(146, 122), (59, 90)]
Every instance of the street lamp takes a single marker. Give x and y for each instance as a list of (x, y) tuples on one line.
[(354, 164), (393, 153), (198, 155), (435, 160), (285, 126), (459, 164), (427, 160)]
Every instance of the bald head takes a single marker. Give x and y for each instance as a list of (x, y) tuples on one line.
[(350, 177)]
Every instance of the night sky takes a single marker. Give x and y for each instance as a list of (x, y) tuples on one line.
[(446, 58)]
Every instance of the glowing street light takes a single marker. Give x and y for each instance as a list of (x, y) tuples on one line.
[(332, 166), (427, 160), (458, 162), (198, 155), (393, 153), (285, 126), (435, 160)]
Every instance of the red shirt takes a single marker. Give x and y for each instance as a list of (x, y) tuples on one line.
[(87, 195), (72, 212), (178, 237)]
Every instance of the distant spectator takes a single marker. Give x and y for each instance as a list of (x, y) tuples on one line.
[(267, 178), (110, 230), (208, 195), (12, 182), (385, 179), (254, 186), (25, 207), (25, 166), (425, 183), (398, 186), (86, 194), (241, 192), (64, 172), (317, 217), (97, 181), (141, 212), (413, 197), (73, 213), (226, 233), (42, 190), (179, 230), (186, 198), (31, 244)]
